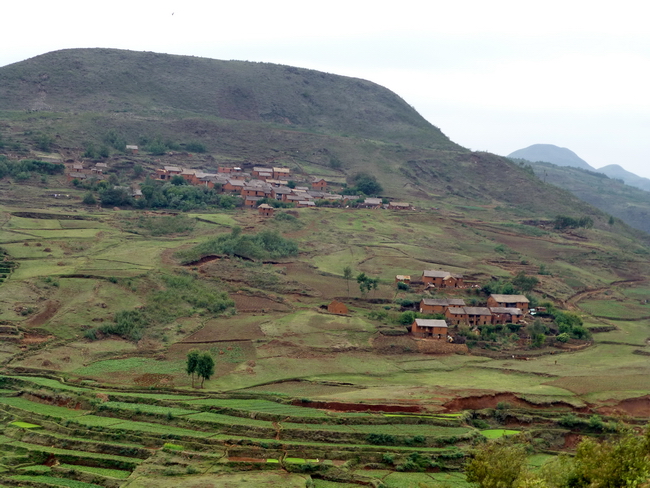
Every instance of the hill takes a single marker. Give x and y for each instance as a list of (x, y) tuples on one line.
[(116, 81), (550, 154), (611, 195), (614, 171), (317, 123)]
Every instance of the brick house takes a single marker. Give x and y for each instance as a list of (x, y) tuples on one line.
[(399, 206), (319, 184), (432, 329), (403, 279), (265, 210), (478, 315), (456, 315), (232, 185), (337, 307), (250, 201), (281, 173), (502, 315), (442, 279), (439, 305), (509, 301)]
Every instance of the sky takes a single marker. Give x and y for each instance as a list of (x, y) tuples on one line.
[(494, 76)]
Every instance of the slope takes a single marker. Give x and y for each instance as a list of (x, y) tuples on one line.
[(110, 80), (616, 172), (612, 196)]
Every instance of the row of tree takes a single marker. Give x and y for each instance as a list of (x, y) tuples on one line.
[(200, 364)]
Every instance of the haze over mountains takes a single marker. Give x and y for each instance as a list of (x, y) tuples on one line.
[(562, 156)]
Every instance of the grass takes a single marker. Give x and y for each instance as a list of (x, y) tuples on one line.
[(145, 408), (54, 481), (41, 408), (25, 425), (497, 433), (112, 473)]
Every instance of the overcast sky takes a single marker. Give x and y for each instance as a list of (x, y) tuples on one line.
[(495, 76)]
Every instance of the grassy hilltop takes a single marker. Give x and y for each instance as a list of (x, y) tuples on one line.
[(100, 306)]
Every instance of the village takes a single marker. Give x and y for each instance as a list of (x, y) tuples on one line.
[(500, 309), (260, 187)]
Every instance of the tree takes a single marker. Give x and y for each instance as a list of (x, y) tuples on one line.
[(192, 363), (347, 276), (205, 367), (523, 282), (497, 465), (89, 199), (366, 283)]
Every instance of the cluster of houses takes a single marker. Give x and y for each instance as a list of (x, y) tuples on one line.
[(268, 183), (500, 309), (259, 183), (79, 171)]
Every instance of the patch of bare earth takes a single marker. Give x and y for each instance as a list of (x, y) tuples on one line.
[(247, 303), (41, 318)]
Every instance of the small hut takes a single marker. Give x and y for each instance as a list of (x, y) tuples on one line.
[(265, 210), (337, 308)]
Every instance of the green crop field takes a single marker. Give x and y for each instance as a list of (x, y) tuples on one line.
[(41, 408)]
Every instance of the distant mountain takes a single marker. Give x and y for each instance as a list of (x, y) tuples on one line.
[(631, 205), (616, 172), (548, 153)]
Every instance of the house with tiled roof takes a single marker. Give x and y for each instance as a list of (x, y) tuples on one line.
[(442, 279), (431, 329), (508, 301), (439, 305)]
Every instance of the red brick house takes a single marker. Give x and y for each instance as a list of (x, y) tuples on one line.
[(399, 206), (403, 279), (431, 329), (337, 307), (478, 315), (266, 210), (502, 315), (439, 305), (281, 173), (509, 301), (319, 184), (442, 279), (456, 315)]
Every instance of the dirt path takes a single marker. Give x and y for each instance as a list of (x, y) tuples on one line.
[(572, 301)]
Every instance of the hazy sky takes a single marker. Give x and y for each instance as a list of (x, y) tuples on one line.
[(495, 76)]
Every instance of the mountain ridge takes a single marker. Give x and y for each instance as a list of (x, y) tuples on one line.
[(550, 153)]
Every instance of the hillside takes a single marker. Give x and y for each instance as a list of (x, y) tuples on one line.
[(616, 172), (630, 204), (318, 381), (549, 153), (115, 81), (317, 123)]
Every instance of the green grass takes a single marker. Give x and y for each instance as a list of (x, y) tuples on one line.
[(497, 433), (55, 481), (143, 427), (112, 473), (615, 309), (132, 365), (41, 408), (25, 425), (145, 408), (50, 383)]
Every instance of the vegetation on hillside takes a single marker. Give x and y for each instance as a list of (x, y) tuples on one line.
[(264, 245)]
